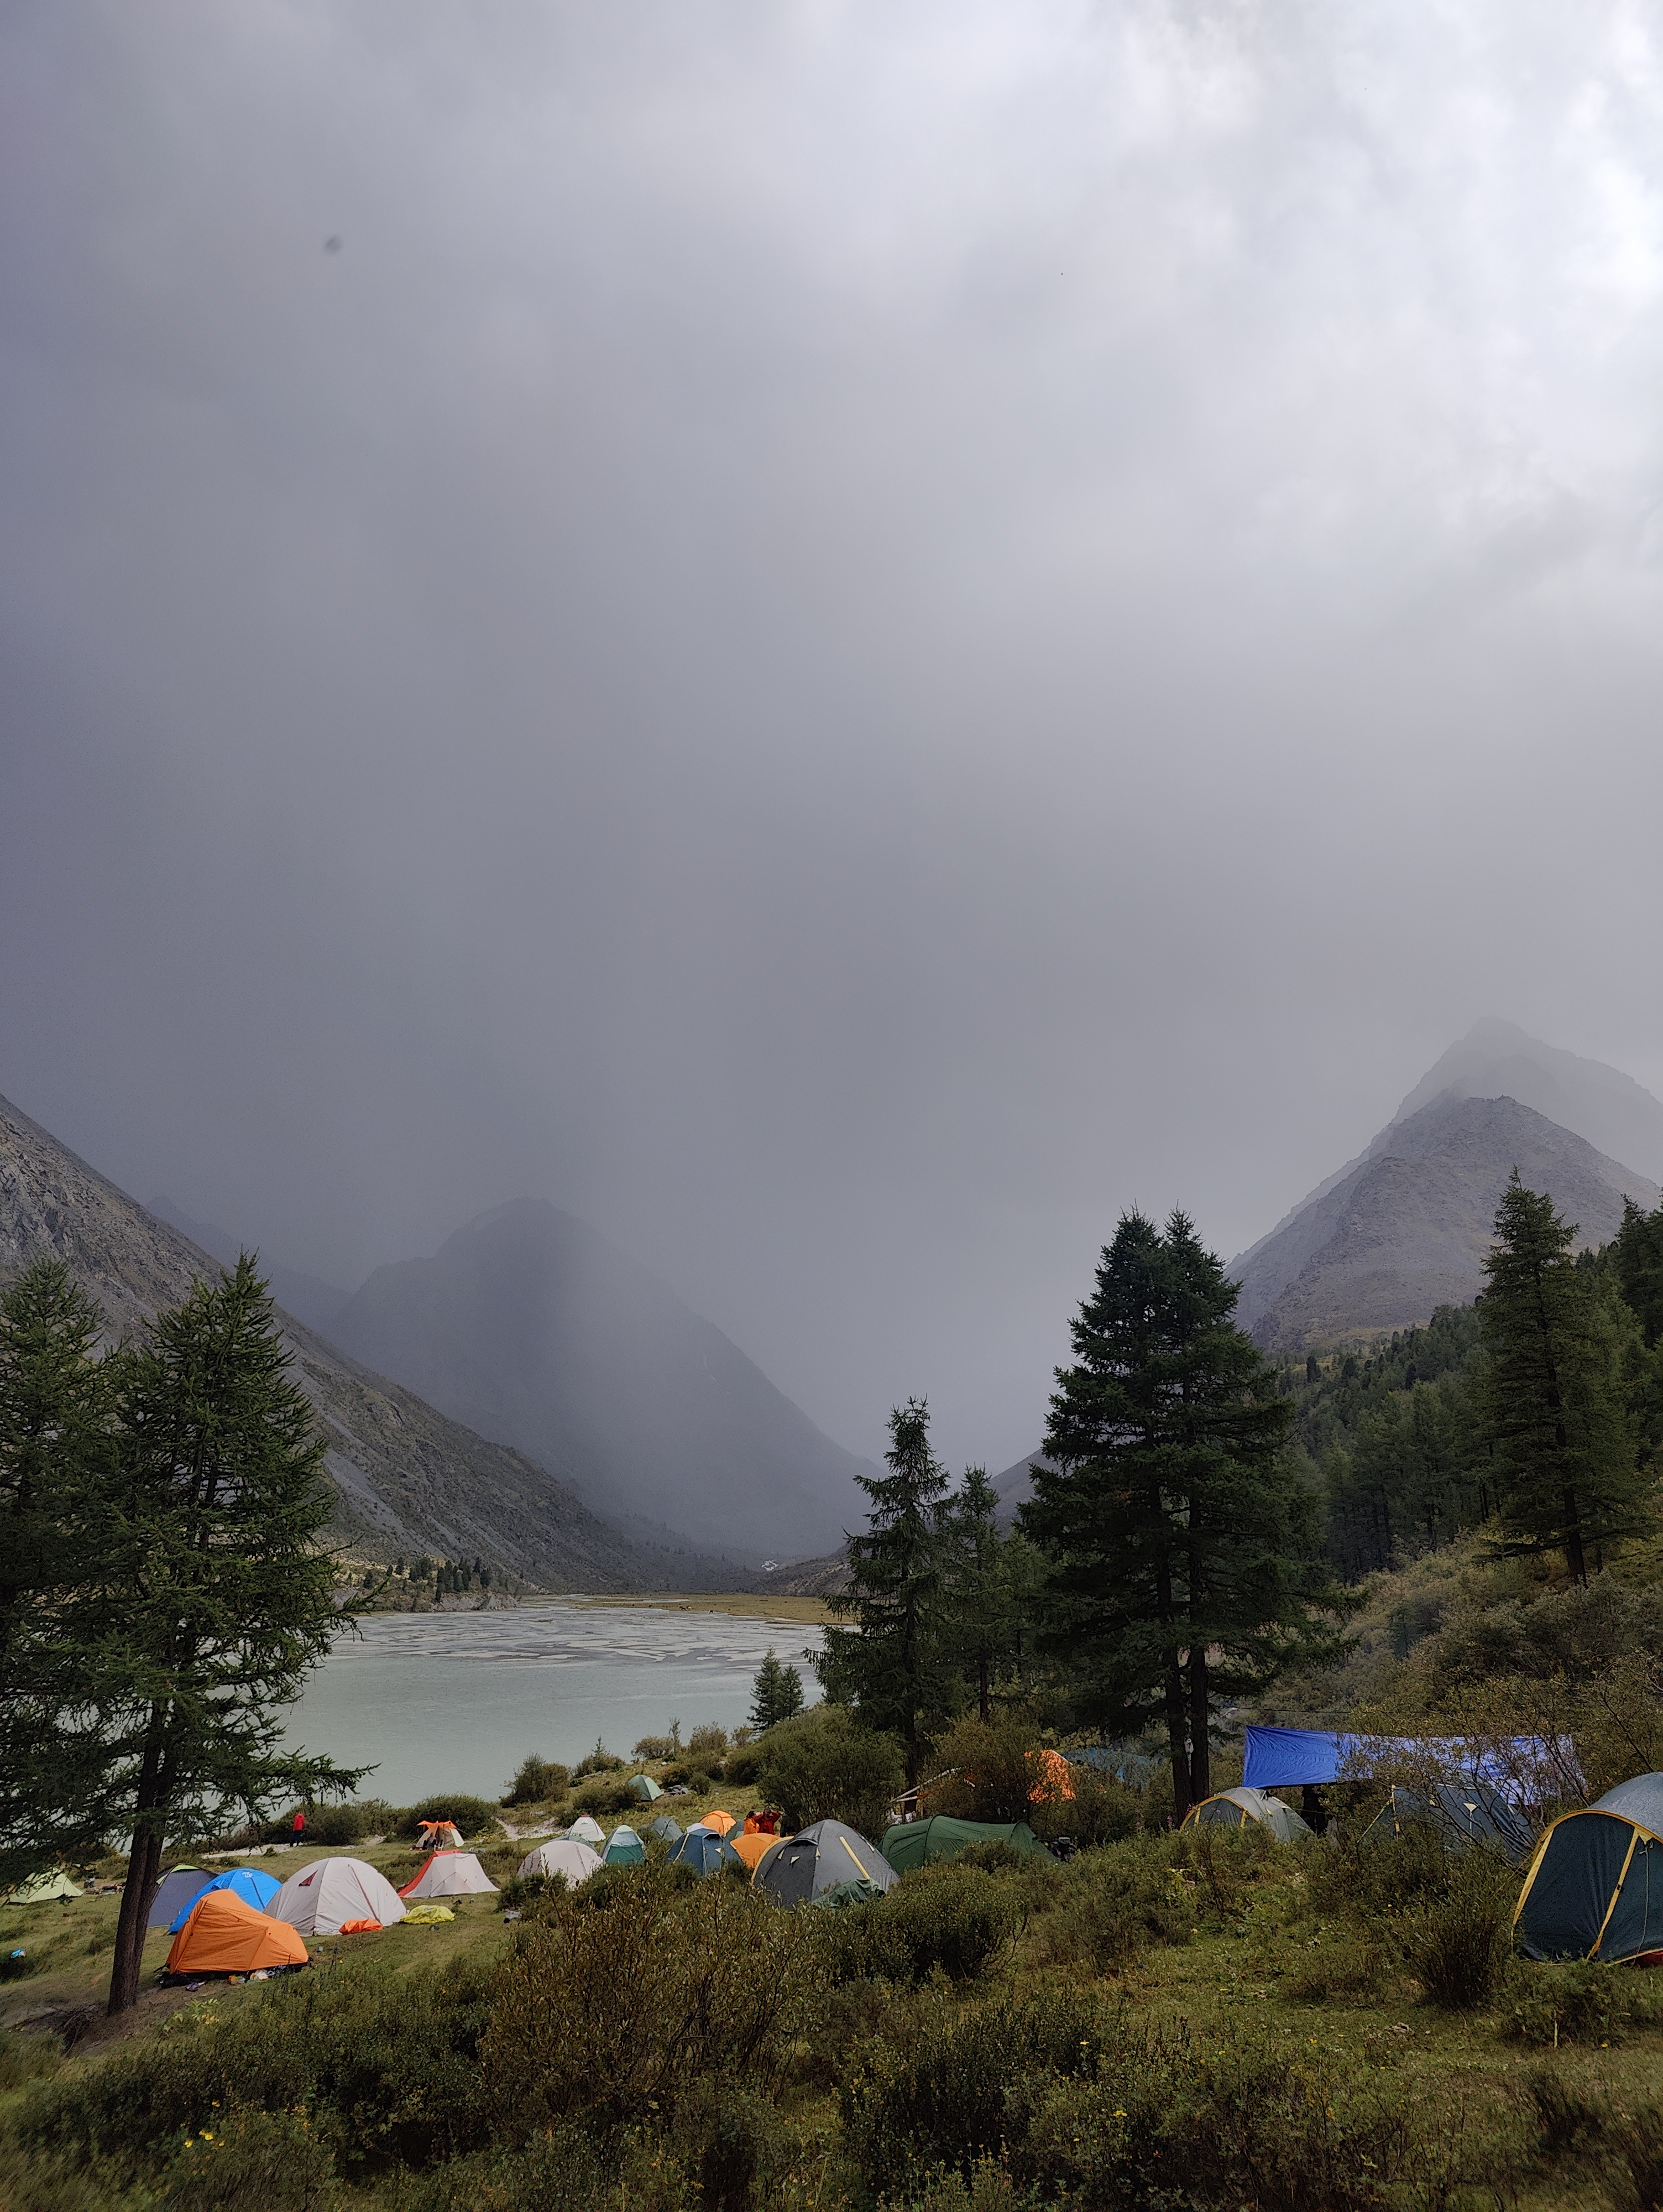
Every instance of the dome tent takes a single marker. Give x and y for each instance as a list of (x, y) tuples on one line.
[(324, 1897), (178, 1892), (623, 1847), (663, 1830), (923, 1843), (587, 1830), (450, 1873), (223, 1935), (752, 1849), (1595, 1886), (644, 1787), (248, 1883), (706, 1853), (43, 1888), (564, 1855), (1238, 1809), (818, 1858), (1462, 1813)]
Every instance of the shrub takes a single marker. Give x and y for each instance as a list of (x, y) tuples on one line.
[(1579, 2003), (26, 2058), (656, 1748), (1458, 1944), (536, 1781), (1223, 1863), (708, 1742), (1111, 1904), (600, 1760), (472, 1815), (991, 1771), (603, 1795), (742, 1765), (955, 1917), (819, 1767), (333, 1825), (251, 2161), (1102, 1811)]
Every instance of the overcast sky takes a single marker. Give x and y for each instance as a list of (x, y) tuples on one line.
[(844, 637)]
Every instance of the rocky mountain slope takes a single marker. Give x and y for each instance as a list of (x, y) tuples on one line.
[(530, 1328), (1406, 1228), (408, 1478)]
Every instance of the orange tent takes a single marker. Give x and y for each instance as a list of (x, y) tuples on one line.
[(223, 1935), (1051, 1781), (718, 1822), (752, 1849)]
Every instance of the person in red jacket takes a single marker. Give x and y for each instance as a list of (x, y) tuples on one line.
[(299, 1827)]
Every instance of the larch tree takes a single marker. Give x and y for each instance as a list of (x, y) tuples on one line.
[(1182, 1559), (979, 1590), (775, 1694), (1555, 1401)]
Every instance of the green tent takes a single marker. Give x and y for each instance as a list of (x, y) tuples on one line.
[(43, 1888), (921, 1843), (645, 1788), (1460, 1813), (1595, 1886), (1241, 1808)]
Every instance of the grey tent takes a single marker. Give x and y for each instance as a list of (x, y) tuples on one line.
[(1595, 1886), (665, 1829), (818, 1859), (706, 1852), (1243, 1809), (1462, 1813), (180, 1890)]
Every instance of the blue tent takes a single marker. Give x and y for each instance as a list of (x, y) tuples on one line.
[(248, 1883), (183, 1886), (707, 1852), (1595, 1886)]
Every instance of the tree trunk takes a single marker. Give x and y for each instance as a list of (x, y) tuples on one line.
[(1574, 1555), (1200, 1714), (143, 1863)]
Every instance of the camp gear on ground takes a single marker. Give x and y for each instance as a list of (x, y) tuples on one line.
[(1064, 1850), (43, 1888), (248, 1883), (645, 1788), (718, 1821), (564, 1855), (178, 1892), (323, 1897), (450, 1873), (1595, 1886), (584, 1830), (1462, 1813), (438, 1835), (1243, 1809), (817, 1859), (223, 1935), (706, 1853), (665, 1830), (842, 1894), (623, 1847), (428, 1916), (921, 1843), (752, 1849)]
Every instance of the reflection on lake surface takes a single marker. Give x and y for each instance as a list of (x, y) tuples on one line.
[(455, 1700)]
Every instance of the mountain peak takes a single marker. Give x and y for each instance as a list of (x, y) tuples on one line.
[(1499, 1060)]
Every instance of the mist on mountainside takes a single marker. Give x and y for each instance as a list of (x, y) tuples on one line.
[(308, 1297)]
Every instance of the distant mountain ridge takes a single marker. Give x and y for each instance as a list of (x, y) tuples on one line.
[(407, 1478), (529, 1327), (308, 1297)]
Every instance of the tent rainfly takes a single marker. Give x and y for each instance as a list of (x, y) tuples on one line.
[(564, 1856), (644, 1787), (623, 1847), (751, 1849), (707, 1852), (719, 1822), (921, 1843), (1595, 1886), (818, 1858), (665, 1829), (178, 1892), (1238, 1809), (1462, 1813), (223, 1935), (43, 1888), (248, 1883), (324, 1897), (587, 1830), (450, 1873)]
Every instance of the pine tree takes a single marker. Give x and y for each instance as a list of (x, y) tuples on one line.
[(776, 1693), (1639, 1254), (223, 1597), (1554, 1400), (980, 1595), (56, 1452), (1181, 1556), (894, 1666)]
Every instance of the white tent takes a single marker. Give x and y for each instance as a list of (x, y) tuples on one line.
[(324, 1896), (583, 1830), (450, 1873), (576, 1861)]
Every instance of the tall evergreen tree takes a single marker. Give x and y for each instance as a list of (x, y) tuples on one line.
[(1639, 1253), (775, 1694), (1555, 1401), (1183, 1559), (223, 1597), (57, 1455), (894, 1666), (979, 1587)]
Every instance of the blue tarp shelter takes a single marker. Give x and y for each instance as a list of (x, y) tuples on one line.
[(248, 1883), (1595, 1886), (1291, 1759)]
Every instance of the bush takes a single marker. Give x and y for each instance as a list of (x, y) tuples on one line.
[(27, 2058), (1460, 1944), (1223, 1863), (251, 2161), (955, 1917), (656, 1748), (1111, 1904), (819, 1767), (600, 1760), (336, 1826), (536, 1781), (472, 1815), (1102, 1811), (990, 1773), (708, 1742), (603, 1796), (742, 1765), (1582, 2003)]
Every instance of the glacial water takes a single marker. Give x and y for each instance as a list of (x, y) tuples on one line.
[(456, 1701)]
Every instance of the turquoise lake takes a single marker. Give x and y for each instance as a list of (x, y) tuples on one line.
[(455, 1701)]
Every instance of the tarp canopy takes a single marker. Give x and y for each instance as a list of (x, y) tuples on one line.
[(450, 1873), (706, 1853), (322, 1897), (1463, 1812), (1595, 1886), (645, 1788), (1289, 1758), (248, 1883), (45, 1886), (1243, 1808), (178, 1892), (817, 1859), (623, 1847), (564, 1855), (587, 1830), (921, 1843), (223, 1935)]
